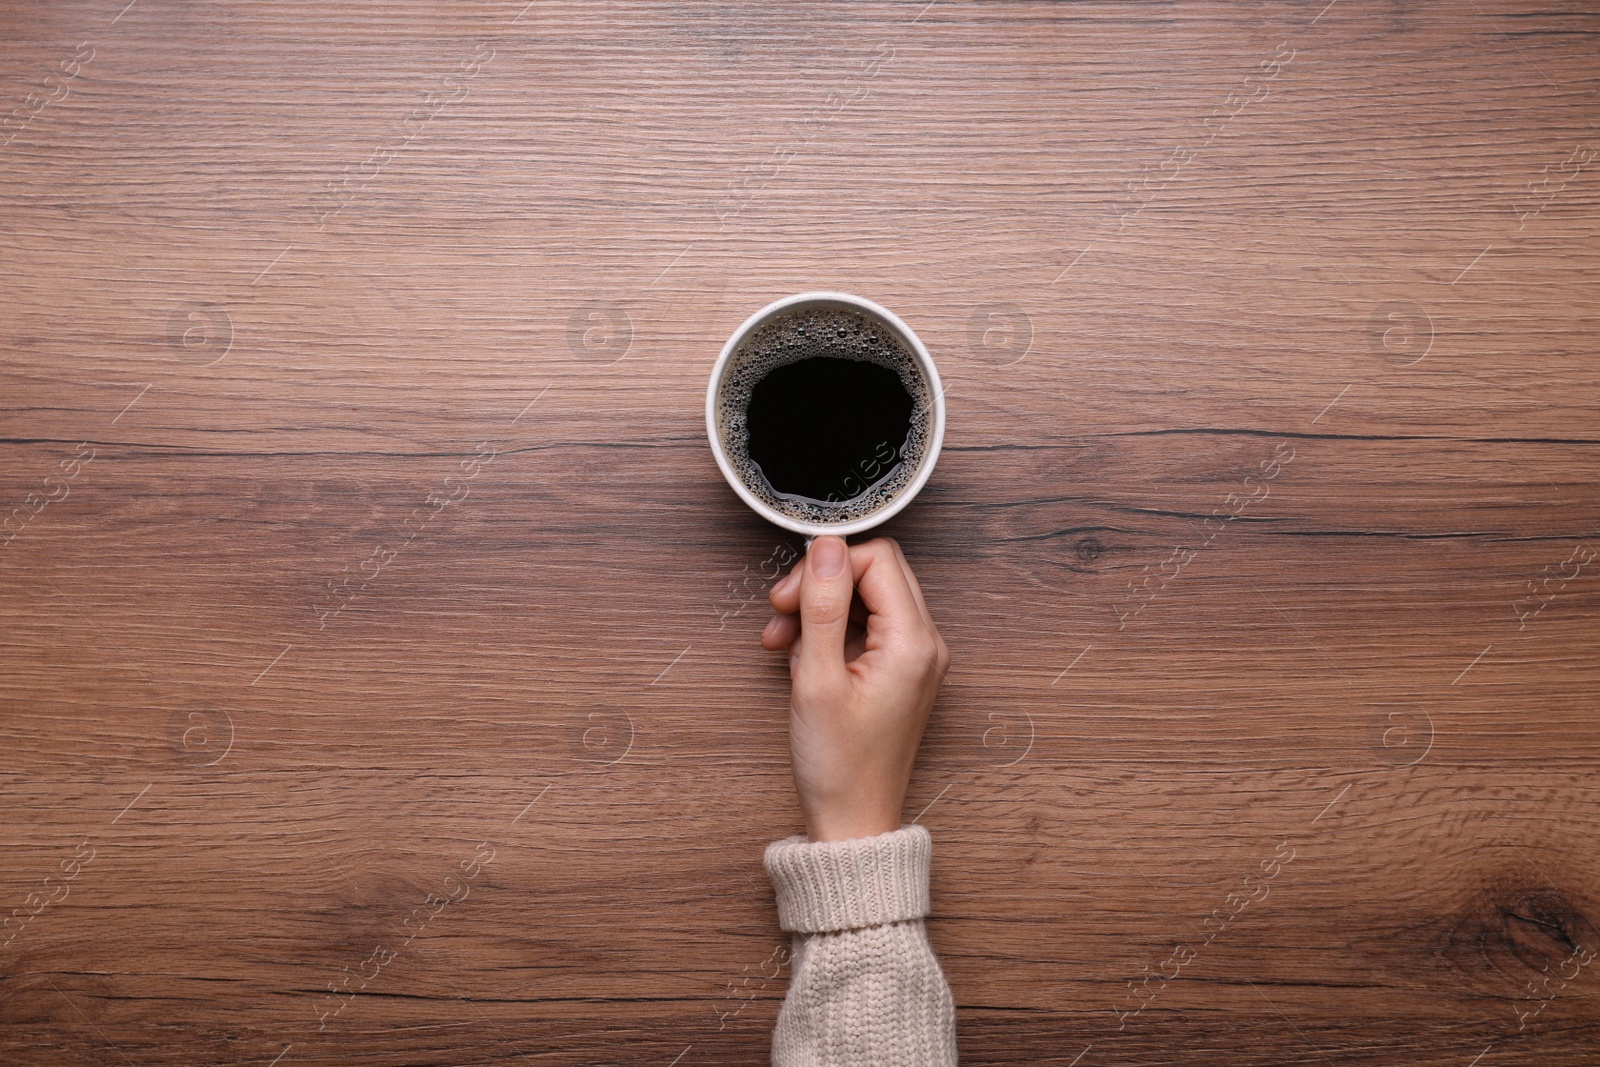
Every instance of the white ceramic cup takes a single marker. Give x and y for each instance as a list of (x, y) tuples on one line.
[(930, 375)]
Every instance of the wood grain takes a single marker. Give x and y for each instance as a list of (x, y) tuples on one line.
[(376, 619)]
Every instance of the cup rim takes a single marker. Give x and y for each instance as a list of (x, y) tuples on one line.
[(924, 361)]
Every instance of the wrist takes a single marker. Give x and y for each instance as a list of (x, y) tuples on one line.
[(849, 823)]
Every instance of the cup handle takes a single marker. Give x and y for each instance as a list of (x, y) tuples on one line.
[(806, 550)]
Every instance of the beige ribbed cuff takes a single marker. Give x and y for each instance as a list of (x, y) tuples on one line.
[(824, 886)]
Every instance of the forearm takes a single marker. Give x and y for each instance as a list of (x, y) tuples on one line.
[(864, 986)]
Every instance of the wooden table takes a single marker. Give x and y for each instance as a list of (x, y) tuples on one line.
[(380, 676)]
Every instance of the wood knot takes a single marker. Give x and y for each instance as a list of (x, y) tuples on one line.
[(1509, 931), (1543, 922)]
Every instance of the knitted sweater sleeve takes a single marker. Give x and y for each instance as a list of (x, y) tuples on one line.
[(864, 986)]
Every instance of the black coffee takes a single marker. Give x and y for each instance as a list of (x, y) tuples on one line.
[(828, 429), (824, 413)]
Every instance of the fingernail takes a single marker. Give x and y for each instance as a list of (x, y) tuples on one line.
[(827, 557), (767, 629)]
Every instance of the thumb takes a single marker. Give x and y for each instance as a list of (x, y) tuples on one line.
[(826, 587)]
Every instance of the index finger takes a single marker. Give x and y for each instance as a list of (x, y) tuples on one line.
[(911, 580), (884, 588)]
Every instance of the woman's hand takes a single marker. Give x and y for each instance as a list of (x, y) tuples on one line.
[(865, 668)]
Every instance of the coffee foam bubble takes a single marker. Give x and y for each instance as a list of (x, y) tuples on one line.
[(804, 333)]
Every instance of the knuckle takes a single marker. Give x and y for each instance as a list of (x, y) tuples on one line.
[(880, 546), (810, 689), (922, 658), (821, 606)]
